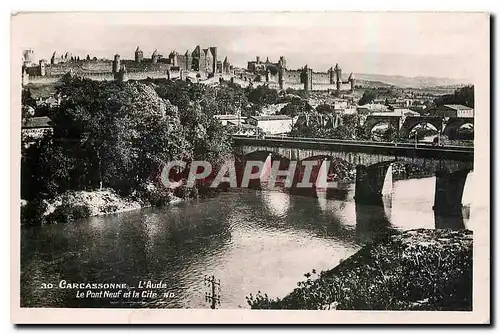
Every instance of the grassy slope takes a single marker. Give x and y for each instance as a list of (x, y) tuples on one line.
[(417, 270)]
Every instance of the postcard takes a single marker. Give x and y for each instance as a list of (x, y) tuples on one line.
[(272, 167)]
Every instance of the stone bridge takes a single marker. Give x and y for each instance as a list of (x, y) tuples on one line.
[(451, 164), (404, 125)]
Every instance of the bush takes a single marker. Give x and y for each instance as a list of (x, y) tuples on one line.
[(32, 213), (68, 212), (415, 270)]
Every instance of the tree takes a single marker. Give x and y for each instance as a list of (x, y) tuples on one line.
[(262, 95), (464, 96), (325, 108), (295, 107), (27, 99), (119, 135), (368, 96)]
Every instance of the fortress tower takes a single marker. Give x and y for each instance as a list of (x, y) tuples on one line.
[(282, 62), (338, 76), (213, 50), (173, 58), (42, 67), (28, 57), (154, 56), (53, 58), (116, 63), (121, 75), (189, 60), (139, 55), (352, 81), (225, 66), (208, 64), (306, 78), (331, 74)]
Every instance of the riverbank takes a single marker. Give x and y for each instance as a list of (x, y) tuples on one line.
[(412, 270), (74, 204)]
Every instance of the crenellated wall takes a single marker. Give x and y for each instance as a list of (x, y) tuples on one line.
[(292, 76), (144, 66), (321, 78), (323, 86), (82, 66), (39, 80)]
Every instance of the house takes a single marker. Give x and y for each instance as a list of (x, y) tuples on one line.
[(456, 110), (224, 119), (272, 124), (371, 108), (34, 128), (244, 128)]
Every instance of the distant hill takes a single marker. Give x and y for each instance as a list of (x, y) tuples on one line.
[(372, 83), (378, 80)]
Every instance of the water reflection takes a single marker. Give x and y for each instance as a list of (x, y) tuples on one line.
[(453, 222), (250, 240), (277, 202), (372, 220)]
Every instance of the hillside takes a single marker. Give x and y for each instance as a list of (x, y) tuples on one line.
[(401, 81)]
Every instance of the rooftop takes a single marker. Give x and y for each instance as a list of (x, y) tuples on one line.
[(36, 122), (243, 125), (271, 117), (457, 107), (226, 117)]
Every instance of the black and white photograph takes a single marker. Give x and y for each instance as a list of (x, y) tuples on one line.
[(266, 161)]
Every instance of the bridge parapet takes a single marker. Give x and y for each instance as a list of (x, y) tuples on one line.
[(373, 160), (447, 159)]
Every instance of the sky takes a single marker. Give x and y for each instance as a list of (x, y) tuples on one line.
[(407, 44)]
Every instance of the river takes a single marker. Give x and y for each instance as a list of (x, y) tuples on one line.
[(250, 240)]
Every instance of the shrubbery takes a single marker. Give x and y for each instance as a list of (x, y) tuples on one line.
[(68, 212), (415, 270), (108, 135), (32, 212)]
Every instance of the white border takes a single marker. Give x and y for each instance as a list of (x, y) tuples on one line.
[(477, 5)]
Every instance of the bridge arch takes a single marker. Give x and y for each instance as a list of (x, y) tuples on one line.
[(261, 155), (372, 121), (454, 124), (412, 121), (339, 167)]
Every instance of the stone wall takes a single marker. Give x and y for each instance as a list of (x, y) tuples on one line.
[(292, 76), (82, 66), (321, 78), (145, 66)]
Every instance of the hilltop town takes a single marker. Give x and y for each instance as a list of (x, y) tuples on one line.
[(199, 65), (306, 102)]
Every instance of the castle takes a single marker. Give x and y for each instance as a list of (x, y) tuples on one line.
[(197, 65), (304, 78), (201, 63)]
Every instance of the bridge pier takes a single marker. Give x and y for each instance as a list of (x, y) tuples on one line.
[(373, 182), (448, 193)]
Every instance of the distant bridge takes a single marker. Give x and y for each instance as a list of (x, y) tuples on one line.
[(404, 125), (451, 164)]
